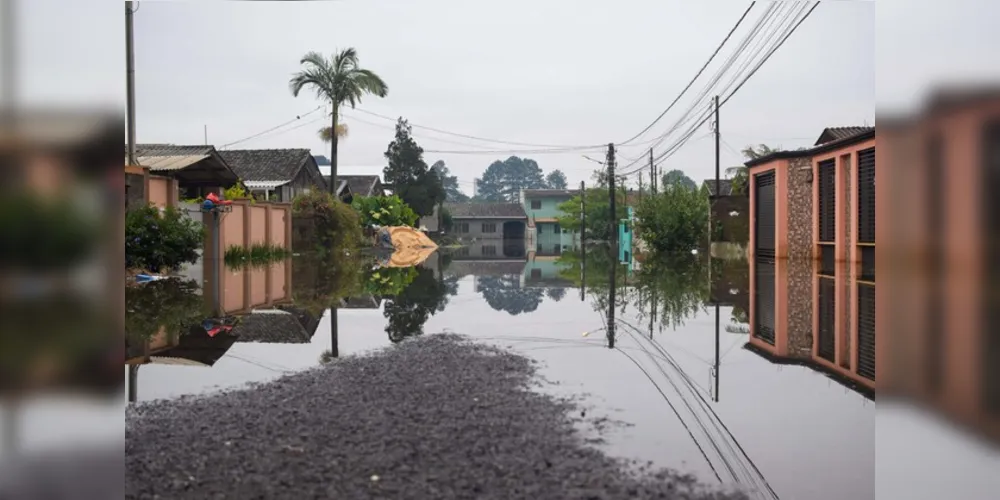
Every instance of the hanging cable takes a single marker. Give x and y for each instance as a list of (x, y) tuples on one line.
[(276, 127)]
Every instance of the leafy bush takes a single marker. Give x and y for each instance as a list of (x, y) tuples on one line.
[(337, 225), (599, 222), (675, 220), (237, 192), (384, 211), (447, 221), (160, 241), (173, 304), (389, 281)]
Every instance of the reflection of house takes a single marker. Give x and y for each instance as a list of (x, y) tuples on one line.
[(730, 212), (276, 326), (542, 209), (363, 302), (488, 221), (276, 174), (544, 273), (193, 348), (822, 318), (198, 170)]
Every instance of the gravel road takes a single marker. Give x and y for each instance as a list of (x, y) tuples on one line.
[(432, 418)]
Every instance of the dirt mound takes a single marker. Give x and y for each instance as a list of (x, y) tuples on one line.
[(407, 237)]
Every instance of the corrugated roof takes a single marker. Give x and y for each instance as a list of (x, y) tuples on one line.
[(486, 210), (265, 184), (164, 163)]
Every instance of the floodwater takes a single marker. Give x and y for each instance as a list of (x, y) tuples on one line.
[(673, 371)]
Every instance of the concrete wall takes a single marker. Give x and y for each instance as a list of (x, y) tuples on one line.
[(549, 206)]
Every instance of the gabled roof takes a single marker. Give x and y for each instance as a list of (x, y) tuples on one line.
[(486, 210), (551, 193), (725, 185), (272, 326), (837, 133), (822, 148), (267, 165), (361, 185)]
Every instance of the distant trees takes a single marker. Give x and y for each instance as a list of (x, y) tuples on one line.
[(677, 178), (417, 185), (339, 81), (503, 180), (556, 180)]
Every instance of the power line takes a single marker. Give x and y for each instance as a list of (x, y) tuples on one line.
[(483, 139), (700, 71), (276, 127)]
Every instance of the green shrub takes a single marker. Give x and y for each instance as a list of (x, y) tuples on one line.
[(173, 304), (158, 241), (389, 281), (237, 192), (384, 211), (675, 220), (337, 225)]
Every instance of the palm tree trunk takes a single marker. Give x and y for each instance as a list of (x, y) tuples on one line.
[(333, 152)]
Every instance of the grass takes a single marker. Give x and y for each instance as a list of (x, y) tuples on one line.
[(258, 255)]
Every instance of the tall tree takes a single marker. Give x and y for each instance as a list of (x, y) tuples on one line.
[(677, 178), (503, 180), (449, 183), (556, 180), (408, 174), (337, 80)]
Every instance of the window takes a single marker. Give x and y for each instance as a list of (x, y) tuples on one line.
[(557, 229), (462, 227), (489, 227), (536, 274), (489, 250), (536, 204), (539, 228)]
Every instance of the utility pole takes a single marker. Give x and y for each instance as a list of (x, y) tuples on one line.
[(640, 187), (717, 344), (8, 59), (611, 194), (711, 217), (583, 239), (130, 84), (652, 172), (206, 135)]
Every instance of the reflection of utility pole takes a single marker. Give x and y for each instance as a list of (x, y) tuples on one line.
[(583, 240), (334, 332), (8, 436), (717, 337), (612, 195), (611, 304), (133, 383), (130, 84)]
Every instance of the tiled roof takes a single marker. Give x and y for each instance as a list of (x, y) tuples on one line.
[(171, 150), (837, 133), (725, 185), (266, 164), (484, 210), (271, 327)]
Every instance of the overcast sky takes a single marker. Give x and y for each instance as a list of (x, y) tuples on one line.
[(574, 72)]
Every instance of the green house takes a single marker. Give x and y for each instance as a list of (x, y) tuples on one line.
[(542, 208)]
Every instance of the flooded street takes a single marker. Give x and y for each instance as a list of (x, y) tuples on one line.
[(676, 382)]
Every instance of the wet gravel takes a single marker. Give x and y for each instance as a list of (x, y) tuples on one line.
[(438, 417)]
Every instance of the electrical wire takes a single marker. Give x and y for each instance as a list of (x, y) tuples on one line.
[(700, 71), (276, 127)]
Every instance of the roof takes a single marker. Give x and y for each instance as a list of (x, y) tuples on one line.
[(200, 164), (838, 133), (486, 210), (725, 185), (267, 165), (321, 160), (822, 148), (272, 326), (543, 193)]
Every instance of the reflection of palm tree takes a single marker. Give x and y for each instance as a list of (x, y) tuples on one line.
[(410, 309), (556, 294)]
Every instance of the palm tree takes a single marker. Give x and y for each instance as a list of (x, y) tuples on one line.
[(339, 81), (740, 175)]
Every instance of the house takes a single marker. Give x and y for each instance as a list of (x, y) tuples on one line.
[(542, 209), (812, 254), (275, 174), (282, 325), (198, 170), (730, 212), (488, 221), (361, 185)]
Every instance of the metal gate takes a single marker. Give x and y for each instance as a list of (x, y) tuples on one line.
[(764, 299), (827, 312), (828, 201), (991, 298), (764, 215)]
